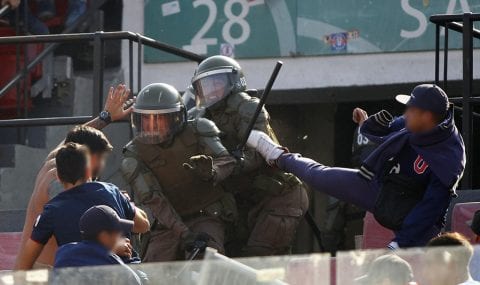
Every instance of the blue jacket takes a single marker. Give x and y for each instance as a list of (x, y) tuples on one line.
[(443, 150), (90, 253)]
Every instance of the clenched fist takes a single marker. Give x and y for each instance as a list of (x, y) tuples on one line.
[(201, 166), (359, 116)]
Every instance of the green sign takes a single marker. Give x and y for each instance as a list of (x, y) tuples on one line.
[(273, 28)]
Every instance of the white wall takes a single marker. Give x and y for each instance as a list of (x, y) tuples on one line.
[(306, 72)]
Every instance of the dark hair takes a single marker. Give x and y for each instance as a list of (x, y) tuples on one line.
[(461, 247), (95, 140), (71, 160)]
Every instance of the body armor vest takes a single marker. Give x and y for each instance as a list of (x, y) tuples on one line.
[(186, 193)]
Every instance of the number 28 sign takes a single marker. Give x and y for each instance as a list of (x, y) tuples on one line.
[(211, 27), (200, 42), (273, 28)]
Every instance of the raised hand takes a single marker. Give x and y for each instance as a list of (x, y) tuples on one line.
[(118, 104), (359, 116)]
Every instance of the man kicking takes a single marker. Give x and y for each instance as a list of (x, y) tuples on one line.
[(408, 181)]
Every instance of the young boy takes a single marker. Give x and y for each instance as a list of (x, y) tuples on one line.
[(101, 230), (61, 215)]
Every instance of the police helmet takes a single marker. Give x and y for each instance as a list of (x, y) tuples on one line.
[(158, 113), (215, 78)]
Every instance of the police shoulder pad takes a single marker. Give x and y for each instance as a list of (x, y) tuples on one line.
[(247, 109), (205, 127), (235, 100)]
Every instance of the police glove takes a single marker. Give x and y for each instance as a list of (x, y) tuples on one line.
[(201, 166), (264, 145), (383, 117), (192, 241)]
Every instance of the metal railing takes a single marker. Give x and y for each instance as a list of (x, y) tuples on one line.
[(462, 23), (98, 39), (28, 66)]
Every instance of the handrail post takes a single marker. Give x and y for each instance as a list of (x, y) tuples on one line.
[(437, 54), (445, 59), (467, 91), (17, 70), (25, 64), (130, 64), (98, 67), (139, 63)]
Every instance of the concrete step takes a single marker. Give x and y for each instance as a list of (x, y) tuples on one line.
[(17, 181), (12, 220)]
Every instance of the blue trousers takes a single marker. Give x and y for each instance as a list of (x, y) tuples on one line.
[(345, 184)]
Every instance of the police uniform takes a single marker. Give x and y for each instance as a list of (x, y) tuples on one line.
[(176, 200), (271, 202)]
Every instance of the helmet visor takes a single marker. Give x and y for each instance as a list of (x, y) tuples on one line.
[(211, 89), (154, 128)]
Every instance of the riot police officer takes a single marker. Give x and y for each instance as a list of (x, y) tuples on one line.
[(172, 166), (271, 202)]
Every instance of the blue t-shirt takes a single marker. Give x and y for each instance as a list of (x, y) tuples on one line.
[(61, 215), (89, 253)]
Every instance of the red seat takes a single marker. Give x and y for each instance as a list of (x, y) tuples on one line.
[(375, 235), (9, 247), (8, 102), (462, 215)]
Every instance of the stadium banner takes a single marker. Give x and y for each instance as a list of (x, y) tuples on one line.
[(279, 28)]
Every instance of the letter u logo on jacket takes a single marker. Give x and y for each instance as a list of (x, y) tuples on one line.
[(419, 166)]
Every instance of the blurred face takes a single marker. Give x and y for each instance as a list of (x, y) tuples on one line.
[(97, 163), (157, 128), (418, 120), (109, 239), (211, 89), (154, 123)]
